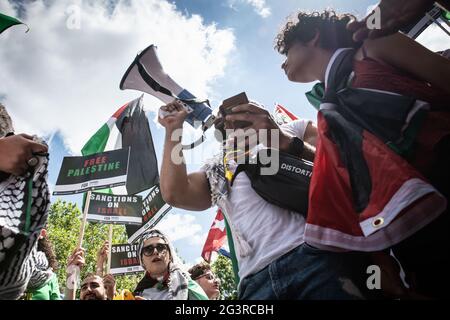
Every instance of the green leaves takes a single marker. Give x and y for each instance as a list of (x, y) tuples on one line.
[(223, 268), (63, 230)]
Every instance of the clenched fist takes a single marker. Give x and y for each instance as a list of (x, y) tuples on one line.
[(15, 151)]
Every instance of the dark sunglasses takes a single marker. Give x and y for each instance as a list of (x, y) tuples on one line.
[(148, 250)]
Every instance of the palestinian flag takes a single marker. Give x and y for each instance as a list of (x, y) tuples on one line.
[(135, 133), (363, 196), (97, 143), (283, 115), (7, 22), (133, 129)]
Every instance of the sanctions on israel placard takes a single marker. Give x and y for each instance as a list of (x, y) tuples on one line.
[(154, 208), (119, 209), (124, 259)]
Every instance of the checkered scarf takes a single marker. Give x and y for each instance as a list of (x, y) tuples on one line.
[(178, 276)]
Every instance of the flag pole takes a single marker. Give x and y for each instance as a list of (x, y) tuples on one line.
[(80, 238), (110, 237), (83, 222)]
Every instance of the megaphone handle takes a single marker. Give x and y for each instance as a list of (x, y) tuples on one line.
[(163, 114), (187, 107)]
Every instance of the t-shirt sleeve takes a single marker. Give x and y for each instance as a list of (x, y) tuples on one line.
[(296, 128), (54, 293)]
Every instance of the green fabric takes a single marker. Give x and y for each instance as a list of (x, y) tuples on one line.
[(7, 22), (97, 142), (29, 203), (316, 95), (446, 15), (49, 291), (234, 261), (406, 146), (195, 292)]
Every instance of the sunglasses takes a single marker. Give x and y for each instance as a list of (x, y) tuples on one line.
[(208, 276), (160, 247)]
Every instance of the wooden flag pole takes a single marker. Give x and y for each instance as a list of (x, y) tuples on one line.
[(83, 222), (80, 237), (110, 237)]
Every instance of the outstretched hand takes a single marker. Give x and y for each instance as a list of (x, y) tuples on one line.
[(394, 15)]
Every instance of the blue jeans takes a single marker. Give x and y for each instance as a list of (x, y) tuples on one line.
[(307, 273)]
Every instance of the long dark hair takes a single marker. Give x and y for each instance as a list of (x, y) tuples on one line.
[(46, 246), (303, 27)]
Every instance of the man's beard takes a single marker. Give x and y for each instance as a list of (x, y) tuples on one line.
[(92, 296)]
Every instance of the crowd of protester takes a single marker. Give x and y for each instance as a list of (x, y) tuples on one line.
[(356, 71)]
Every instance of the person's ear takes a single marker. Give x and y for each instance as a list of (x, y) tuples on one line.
[(314, 42)]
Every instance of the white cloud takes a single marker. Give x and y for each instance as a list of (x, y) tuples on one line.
[(190, 264), (56, 78), (183, 227), (260, 6)]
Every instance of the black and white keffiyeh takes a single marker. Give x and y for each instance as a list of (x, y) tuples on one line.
[(178, 276), (24, 203)]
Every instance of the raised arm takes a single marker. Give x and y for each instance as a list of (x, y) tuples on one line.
[(179, 189), (394, 15), (406, 54), (102, 256), (75, 263)]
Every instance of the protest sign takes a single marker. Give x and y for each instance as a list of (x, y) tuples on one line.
[(97, 171), (154, 208), (124, 259), (118, 209)]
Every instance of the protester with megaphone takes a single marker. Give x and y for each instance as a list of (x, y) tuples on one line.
[(267, 237)]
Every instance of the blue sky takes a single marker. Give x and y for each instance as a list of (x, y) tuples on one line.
[(65, 83), (255, 69)]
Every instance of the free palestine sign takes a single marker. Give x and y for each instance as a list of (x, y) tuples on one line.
[(97, 171), (120, 209)]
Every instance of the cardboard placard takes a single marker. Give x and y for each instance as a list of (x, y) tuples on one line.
[(98, 171), (117, 209)]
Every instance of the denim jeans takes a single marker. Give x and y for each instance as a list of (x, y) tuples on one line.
[(307, 273)]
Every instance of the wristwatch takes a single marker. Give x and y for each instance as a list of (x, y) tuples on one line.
[(296, 146)]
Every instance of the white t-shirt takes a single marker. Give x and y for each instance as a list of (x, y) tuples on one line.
[(270, 231)]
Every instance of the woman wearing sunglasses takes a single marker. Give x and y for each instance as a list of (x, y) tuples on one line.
[(204, 276), (165, 276)]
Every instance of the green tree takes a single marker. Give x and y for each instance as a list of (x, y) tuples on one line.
[(223, 268), (63, 229)]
